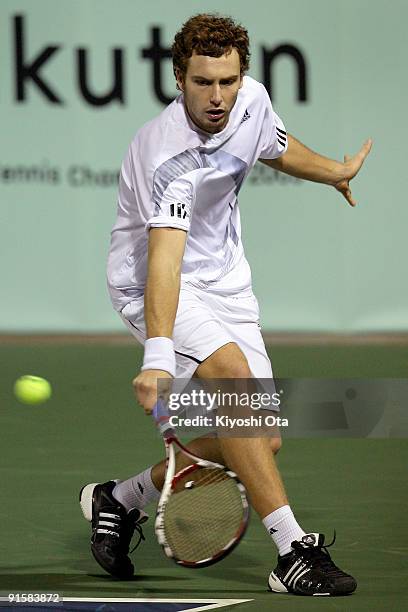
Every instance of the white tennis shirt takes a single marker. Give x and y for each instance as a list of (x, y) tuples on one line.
[(176, 175)]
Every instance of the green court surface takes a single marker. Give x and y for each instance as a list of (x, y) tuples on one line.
[(92, 430)]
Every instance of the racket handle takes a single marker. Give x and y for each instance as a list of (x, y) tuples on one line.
[(162, 418)]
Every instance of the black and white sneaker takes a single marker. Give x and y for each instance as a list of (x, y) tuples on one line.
[(309, 570), (112, 528)]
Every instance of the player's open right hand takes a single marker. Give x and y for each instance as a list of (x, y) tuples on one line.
[(351, 167), (145, 387)]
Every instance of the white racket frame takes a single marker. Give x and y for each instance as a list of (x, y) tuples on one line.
[(170, 440)]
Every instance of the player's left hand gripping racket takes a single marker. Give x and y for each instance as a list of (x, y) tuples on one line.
[(203, 510)]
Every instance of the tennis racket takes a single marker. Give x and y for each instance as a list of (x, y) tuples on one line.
[(203, 510)]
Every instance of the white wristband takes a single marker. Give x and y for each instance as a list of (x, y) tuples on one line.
[(159, 355)]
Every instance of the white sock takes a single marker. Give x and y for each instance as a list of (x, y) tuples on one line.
[(136, 492), (283, 528)]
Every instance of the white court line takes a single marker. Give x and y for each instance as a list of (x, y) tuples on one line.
[(211, 604)]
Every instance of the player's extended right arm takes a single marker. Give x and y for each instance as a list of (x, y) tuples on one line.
[(165, 256)]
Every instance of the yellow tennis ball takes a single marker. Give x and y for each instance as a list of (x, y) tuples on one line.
[(32, 389)]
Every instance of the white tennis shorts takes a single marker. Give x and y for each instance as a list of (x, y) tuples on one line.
[(204, 323)]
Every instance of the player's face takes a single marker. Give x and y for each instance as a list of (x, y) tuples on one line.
[(210, 87)]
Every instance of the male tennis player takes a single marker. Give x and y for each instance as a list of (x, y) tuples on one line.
[(179, 278)]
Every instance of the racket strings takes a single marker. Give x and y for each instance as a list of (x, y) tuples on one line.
[(203, 514), (204, 477)]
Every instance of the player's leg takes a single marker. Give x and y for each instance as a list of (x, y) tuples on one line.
[(144, 488), (304, 565), (251, 458), (207, 448), (137, 491), (240, 318)]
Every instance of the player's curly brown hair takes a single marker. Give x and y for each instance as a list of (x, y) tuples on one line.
[(209, 34)]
